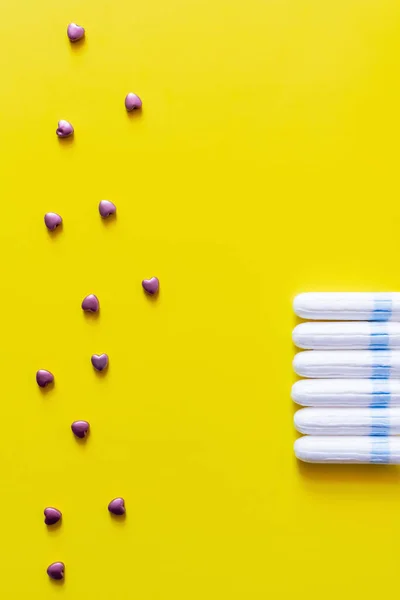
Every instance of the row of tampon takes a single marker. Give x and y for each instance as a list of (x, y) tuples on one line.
[(353, 398)]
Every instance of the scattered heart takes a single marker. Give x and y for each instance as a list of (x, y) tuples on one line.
[(52, 515), (151, 286), (99, 361), (75, 32), (44, 377), (90, 303), (117, 506), (52, 220)]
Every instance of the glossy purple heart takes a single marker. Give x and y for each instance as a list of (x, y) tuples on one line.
[(52, 220), (80, 428), (107, 208), (91, 303), (117, 506), (99, 361), (52, 515), (44, 377), (132, 102), (75, 32), (56, 570), (64, 129), (151, 286)]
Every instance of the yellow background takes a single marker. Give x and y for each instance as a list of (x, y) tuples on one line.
[(264, 163)]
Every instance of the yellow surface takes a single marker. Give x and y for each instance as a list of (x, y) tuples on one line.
[(265, 163)]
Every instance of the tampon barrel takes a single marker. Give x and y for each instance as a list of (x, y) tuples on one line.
[(348, 421), (377, 393), (348, 306), (347, 335), (351, 449), (374, 364)]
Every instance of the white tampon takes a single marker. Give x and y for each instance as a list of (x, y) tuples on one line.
[(348, 306), (375, 364), (348, 421), (376, 393), (342, 449), (358, 335)]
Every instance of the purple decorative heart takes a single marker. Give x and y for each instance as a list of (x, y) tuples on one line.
[(64, 129), (151, 286), (52, 220), (132, 102), (44, 377), (80, 428), (56, 570), (107, 208), (91, 303), (99, 361), (52, 515), (75, 32), (117, 506)]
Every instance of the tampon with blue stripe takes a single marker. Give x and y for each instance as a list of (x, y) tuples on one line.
[(347, 335), (351, 449), (374, 364), (348, 306), (348, 421), (375, 393)]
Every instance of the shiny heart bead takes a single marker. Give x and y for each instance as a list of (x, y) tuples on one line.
[(75, 32), (64, 129), (80, 428), (107, 208), (90, 303), (44, 377), (132, 102), (151, 286), (117, 506), (99, 361), (56, 571), (51, 515), (52, 220)]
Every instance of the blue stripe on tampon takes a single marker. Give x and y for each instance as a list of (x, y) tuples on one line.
[(380, 422), (380, 451), (382, 310), (381, 366), (379, 338), (380, 394)]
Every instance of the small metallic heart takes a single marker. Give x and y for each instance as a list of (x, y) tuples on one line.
[(52, 515), (75, 32), (151, 286), (56, 570), (99, 361), (132, 102), (44, 377), (52, 220), (117, 506), (80, 428), (107, 208), (91, 303), (64, 129)]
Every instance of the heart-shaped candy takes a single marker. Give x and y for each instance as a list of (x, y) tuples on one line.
[(56, 570), (80, 428), (151, 286), (52, 220), (117, 506), (52, 515), (75, 32), (44, 377), (107, 208), (99, 361), (64, 129), (132, 102), (90, 303)]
